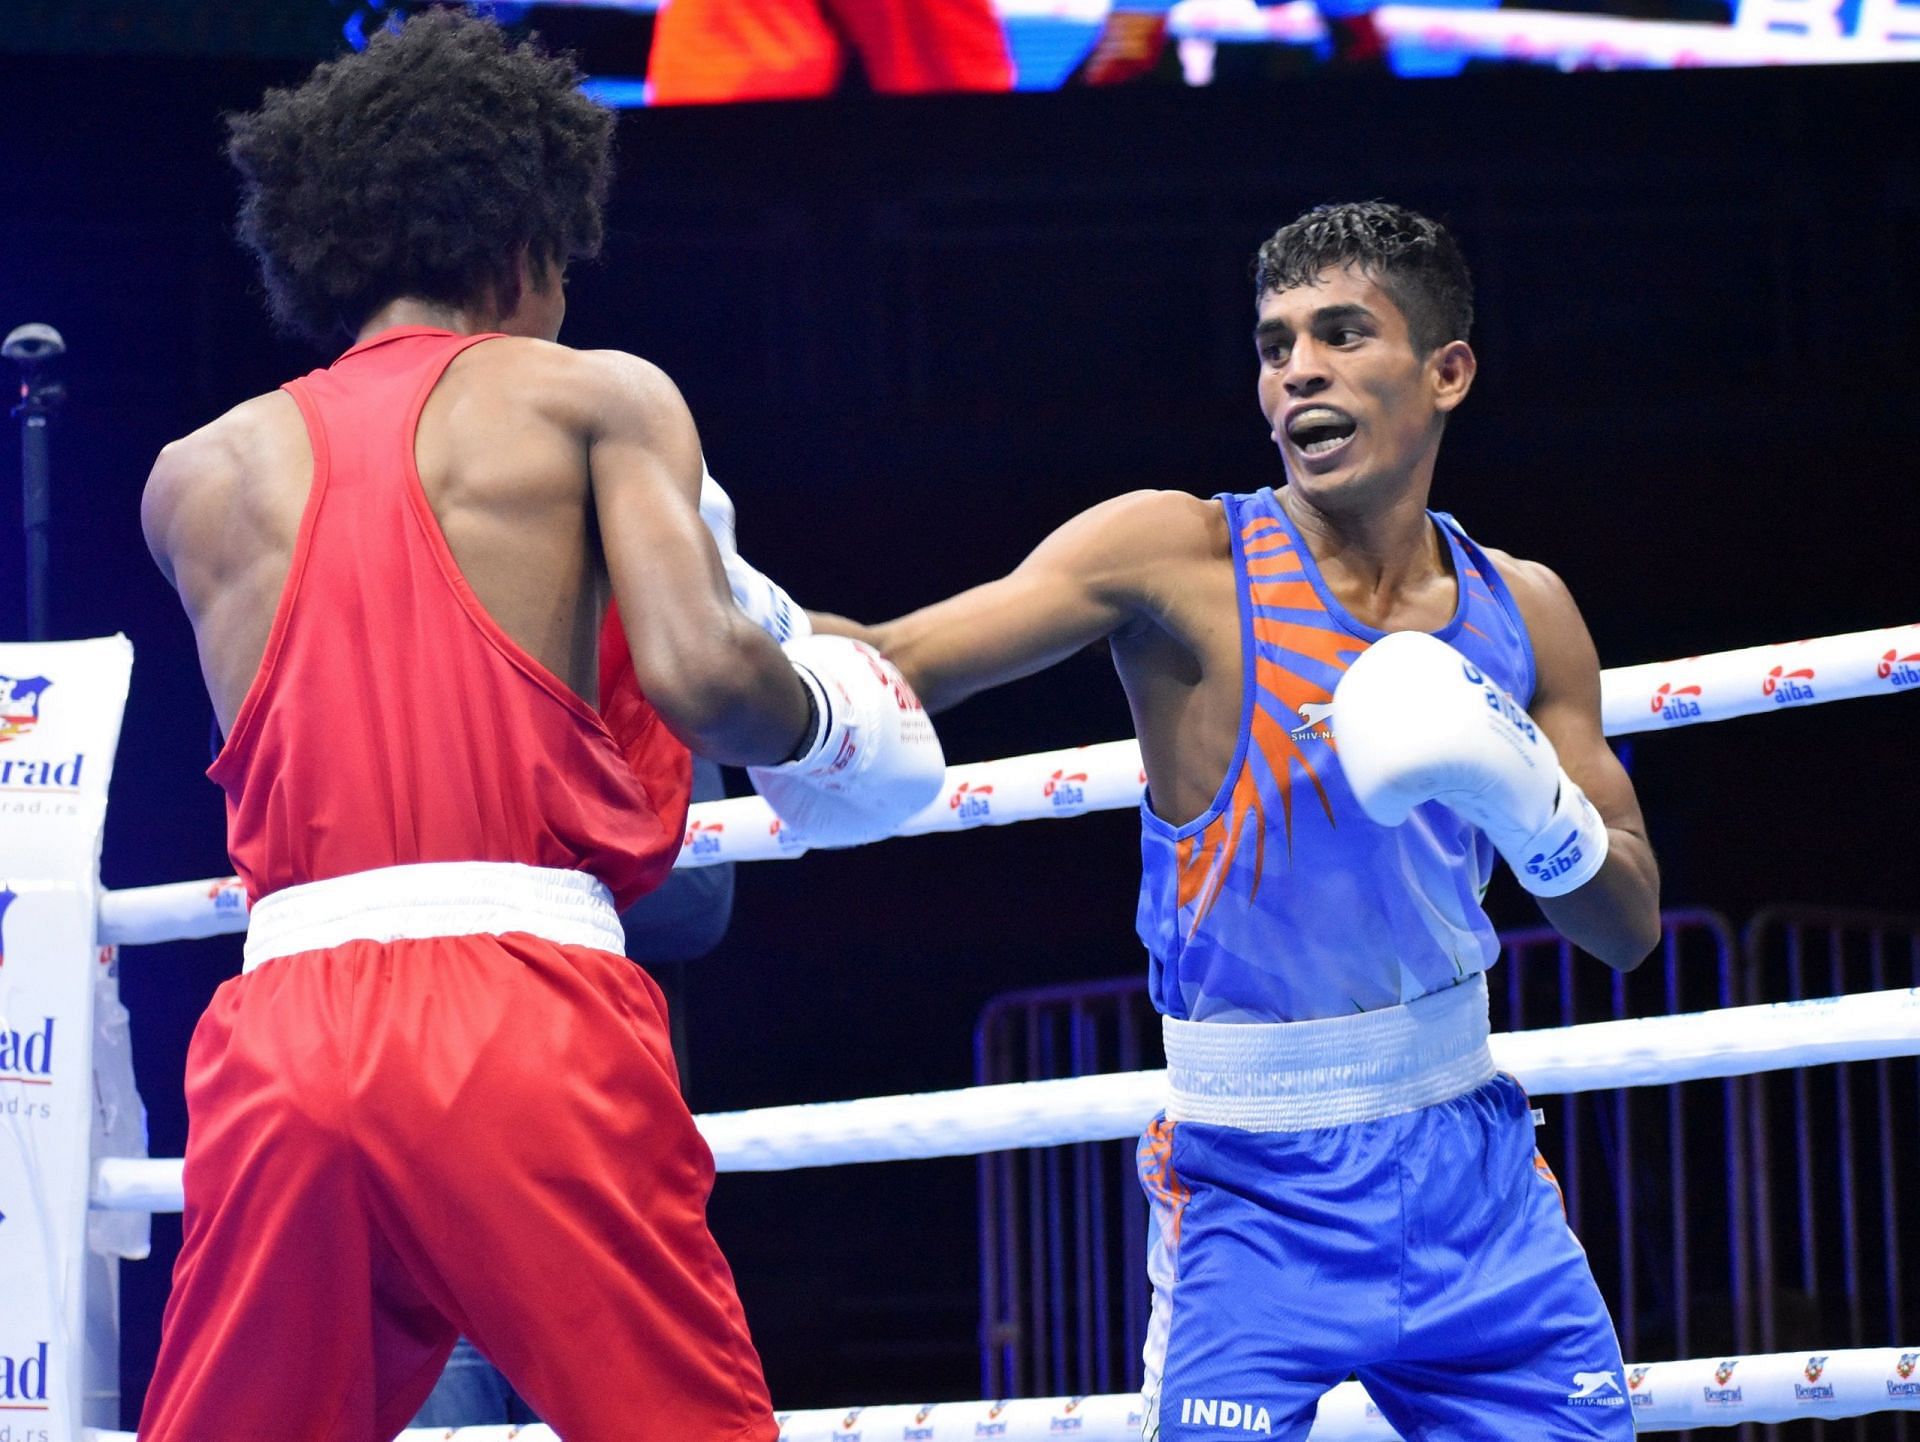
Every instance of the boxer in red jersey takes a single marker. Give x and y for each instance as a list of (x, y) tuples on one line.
[(706, 51), (439, 1100)]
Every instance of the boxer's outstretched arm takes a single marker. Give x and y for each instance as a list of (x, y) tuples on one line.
[(718, 681), (1616, 914), (1092, 577)]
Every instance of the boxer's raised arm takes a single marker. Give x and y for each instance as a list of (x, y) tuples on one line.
[(1094, 576), (716, 678), (1616, 915)]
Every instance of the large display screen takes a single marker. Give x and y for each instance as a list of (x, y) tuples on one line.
[(712, 51)]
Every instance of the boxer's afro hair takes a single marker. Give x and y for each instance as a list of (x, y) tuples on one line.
[(422, 166), (1410, 257)]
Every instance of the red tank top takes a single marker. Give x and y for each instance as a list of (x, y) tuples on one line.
[(392, 721)]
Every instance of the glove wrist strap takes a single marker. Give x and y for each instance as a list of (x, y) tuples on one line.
[(819, 720), (1565, 853)]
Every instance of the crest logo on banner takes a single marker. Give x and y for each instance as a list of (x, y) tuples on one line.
[(20, 705)]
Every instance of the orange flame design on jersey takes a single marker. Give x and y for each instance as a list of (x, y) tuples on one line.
[(1275, 579)]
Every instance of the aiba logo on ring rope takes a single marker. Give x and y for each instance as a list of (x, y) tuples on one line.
[(1676, 703), (1898, 669)]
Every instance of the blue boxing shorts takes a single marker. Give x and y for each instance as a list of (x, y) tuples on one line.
[(1424, 1247)]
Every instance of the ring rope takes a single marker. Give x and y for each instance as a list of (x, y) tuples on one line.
[(1109, 777), (1664, 1396), (1636, 1052)]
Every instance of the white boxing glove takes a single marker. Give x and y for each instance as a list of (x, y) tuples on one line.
[(874, 759), (1415, 721), (766, 603)]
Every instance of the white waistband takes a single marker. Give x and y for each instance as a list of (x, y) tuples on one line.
[(437, 898), (1297, 1075)]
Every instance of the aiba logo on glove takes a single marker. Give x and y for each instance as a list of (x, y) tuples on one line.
[(1501, 703)]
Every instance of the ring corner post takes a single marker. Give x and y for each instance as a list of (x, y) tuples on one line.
[(61, 706)]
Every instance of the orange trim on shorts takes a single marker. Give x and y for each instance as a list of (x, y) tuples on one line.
[(1160, 1177), (1540, 1166)]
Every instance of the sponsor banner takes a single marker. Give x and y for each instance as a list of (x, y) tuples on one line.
[(60, 713), (1776, 1387), (1760, 678), (46, 1116), (60, 709)]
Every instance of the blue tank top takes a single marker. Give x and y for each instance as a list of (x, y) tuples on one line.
[(1283, 901)]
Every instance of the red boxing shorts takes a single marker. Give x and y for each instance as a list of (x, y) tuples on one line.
[(411, 1134)]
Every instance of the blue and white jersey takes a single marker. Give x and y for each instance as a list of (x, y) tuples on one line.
[(1283, 901)]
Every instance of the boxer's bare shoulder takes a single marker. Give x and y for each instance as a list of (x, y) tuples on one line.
[(230, 490)]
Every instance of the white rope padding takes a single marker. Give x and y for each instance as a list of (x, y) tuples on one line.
[(1664, 1396), (1108, 776), (1637, 1052)]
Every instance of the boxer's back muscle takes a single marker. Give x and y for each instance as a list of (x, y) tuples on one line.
[(501, 454)]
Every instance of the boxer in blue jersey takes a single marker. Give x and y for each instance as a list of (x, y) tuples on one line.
[(1346, 708)]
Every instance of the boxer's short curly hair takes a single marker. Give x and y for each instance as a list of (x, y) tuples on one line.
[(1410, 257), (422, 166)]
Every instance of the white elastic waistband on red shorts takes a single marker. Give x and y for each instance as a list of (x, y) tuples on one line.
[(1297, 1075), (436, 898)]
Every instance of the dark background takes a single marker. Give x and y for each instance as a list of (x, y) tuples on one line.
[(918, 335)]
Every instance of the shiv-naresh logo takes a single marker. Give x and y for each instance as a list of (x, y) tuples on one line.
[(1595, 1389), (20, 704), (1316, 722)]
